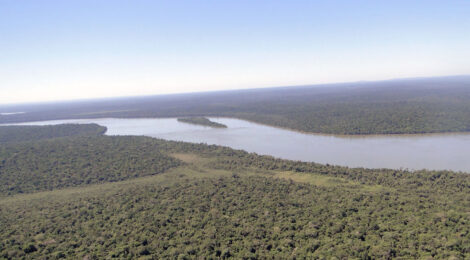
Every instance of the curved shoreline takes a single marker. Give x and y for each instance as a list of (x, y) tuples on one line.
[(263, 124), (343, 135), (441, 151)]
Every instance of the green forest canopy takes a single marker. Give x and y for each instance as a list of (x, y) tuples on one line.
[(11, 134), (150, 198)]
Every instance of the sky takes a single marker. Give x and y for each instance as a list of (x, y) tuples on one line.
[(65, 50)]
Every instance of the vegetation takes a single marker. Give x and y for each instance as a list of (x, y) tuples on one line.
[(9, 134), (413, 106), (221, 215), (65, 162), (215, 203), (201, 121)]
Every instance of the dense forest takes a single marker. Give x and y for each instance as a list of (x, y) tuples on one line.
[(95, 197), (59, 163), (10, 134), (423, 105), (201, 121)]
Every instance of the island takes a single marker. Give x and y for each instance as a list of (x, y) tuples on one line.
[(201, 121)]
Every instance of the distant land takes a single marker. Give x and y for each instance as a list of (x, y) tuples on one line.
[(400, 106), (201, 121)]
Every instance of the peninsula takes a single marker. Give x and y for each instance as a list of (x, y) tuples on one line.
[(201, 121)]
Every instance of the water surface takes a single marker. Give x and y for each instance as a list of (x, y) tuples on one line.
[(436, 151), (10, 113)]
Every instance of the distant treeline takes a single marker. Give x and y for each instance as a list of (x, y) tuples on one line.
[(387, 107)]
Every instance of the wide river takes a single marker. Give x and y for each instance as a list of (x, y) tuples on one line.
[(433, 151)]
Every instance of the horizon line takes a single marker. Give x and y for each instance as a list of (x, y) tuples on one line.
[(223, 90)]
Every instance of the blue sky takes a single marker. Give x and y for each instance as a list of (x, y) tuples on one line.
[(55, 50)]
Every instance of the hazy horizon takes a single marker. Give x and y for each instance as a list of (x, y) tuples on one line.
[(219, 90), (74, 50)]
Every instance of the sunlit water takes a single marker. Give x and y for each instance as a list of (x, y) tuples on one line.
[(10, 113), (439, 151)]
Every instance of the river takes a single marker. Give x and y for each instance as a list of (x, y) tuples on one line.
[(414, 152)]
